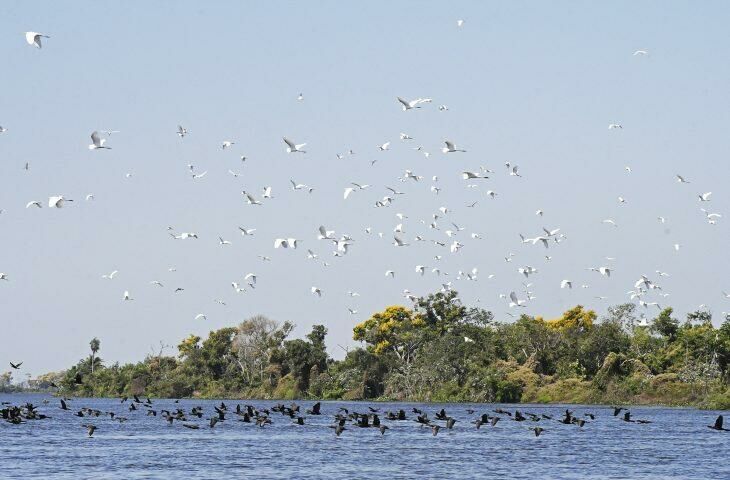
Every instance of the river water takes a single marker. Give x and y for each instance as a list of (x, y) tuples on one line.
[(677, 444)]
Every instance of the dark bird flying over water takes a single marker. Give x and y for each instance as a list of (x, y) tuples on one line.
[(718, 425)]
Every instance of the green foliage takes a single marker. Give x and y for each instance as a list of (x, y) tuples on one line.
[(439, 350)]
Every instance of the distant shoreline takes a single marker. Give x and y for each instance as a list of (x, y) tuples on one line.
[(379, 401)]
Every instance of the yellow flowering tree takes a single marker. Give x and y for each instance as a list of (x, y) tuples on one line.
[(397, 330)]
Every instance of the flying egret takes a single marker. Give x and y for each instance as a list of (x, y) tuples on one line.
[(181, 131), (293, 147), (97, 142), (34, 38), (316, 291), (471, 175), (250, 199), (450, 147), (111, 275), (515, 301), (285, 243), (200, 315), (34, 203), (126, 296), (398, 242), (408, 105), (57, 201)]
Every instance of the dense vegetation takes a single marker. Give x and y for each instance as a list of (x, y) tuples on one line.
[(440, 350)]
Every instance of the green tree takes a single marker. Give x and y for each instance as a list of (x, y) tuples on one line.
[(665, 325), (94, 344)]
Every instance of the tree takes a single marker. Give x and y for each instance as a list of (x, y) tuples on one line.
[(396, 330), (441, 311), (665, 325), (253, 343), (6, 380), (189, 346), (303, 358), (624, 315), (94, 344), (575, 319)]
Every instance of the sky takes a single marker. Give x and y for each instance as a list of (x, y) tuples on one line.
[(535, 84)]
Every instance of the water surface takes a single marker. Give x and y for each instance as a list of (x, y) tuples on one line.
[(676, 445)]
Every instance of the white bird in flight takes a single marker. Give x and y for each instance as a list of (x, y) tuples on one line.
[(57, 201), (515, 302), (450, 147), (34, 38), (316, 291), (705, 197), (97, 142), (408, 105), (110, 276), (285, 243), (292, 147)]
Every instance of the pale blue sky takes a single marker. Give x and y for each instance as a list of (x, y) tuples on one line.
[(532, 83)]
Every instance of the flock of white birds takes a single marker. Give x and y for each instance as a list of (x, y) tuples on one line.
[(440, 230)]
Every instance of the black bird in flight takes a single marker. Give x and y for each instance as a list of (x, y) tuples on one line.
[(718, 425), (16, 365)]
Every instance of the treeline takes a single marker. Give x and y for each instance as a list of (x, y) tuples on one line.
[(440, 350)]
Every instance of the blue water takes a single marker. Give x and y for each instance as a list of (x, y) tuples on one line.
[(676, 445)]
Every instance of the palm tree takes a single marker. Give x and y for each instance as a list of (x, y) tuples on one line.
[(94, 344)]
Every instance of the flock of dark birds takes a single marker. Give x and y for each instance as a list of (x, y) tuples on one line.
[(343, 419)]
